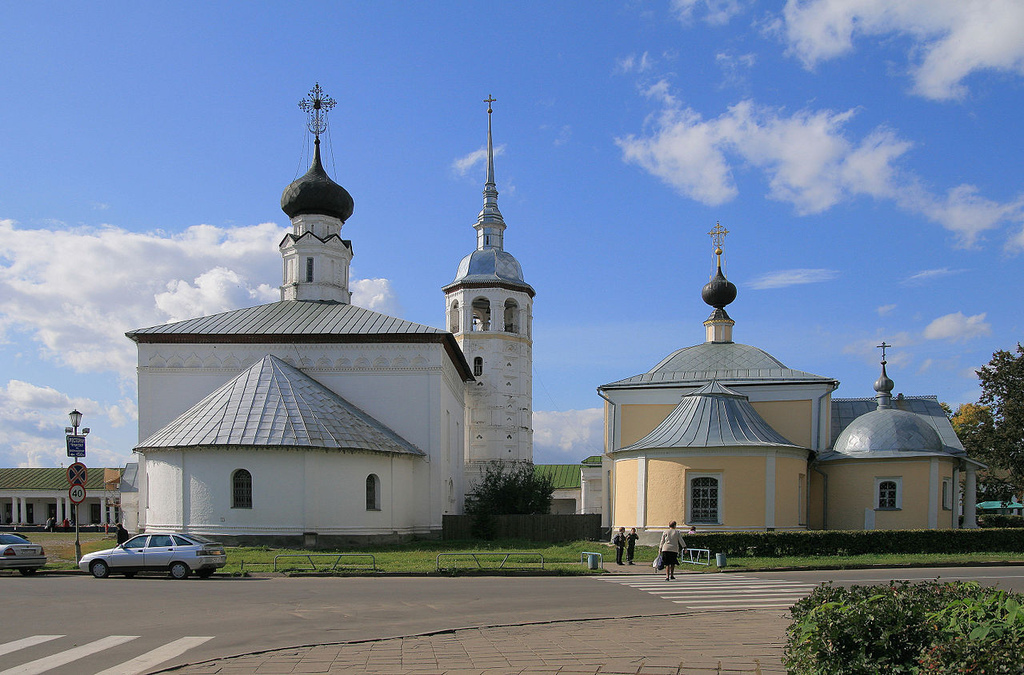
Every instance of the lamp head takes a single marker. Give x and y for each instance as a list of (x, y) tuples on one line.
[(75, 417)]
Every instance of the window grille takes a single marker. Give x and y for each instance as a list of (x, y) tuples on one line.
[(704, 500), (241, 490), (887, 494)]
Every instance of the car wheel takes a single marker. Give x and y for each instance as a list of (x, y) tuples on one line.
[(204, 574), (27, 571), (179, 570), (99, 569)]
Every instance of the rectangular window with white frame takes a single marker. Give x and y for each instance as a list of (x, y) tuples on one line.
[(705, 498), (947, 494), (888, 493)]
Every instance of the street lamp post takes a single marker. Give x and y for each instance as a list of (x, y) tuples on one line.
[(76, 419)]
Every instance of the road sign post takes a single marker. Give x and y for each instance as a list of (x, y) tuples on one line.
[(77, 474), (76, 445)]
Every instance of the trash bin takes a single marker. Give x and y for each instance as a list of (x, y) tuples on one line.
[(720, 559), (593, 561)]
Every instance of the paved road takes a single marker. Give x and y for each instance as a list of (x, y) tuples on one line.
[(76, 624)]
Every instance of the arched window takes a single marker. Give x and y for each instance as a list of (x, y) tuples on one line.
[(478, 366), (372, 492), (241, 489), (888, 491), (481, 314), (511, 316), (704, 500), (453, 318)]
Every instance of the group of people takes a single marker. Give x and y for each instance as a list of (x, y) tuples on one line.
[(669, 549)]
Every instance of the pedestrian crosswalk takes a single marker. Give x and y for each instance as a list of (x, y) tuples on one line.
[(719, 591), (63, 650)]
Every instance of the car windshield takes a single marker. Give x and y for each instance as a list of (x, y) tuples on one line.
[(13, 539)]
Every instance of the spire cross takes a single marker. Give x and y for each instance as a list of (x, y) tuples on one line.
[(489, 100), (718, 234), (316, 105), (883, 347)]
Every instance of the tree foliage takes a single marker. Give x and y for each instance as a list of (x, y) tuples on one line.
[(992, 430), (510, 488)]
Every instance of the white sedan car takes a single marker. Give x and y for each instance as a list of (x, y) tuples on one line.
[(179, 554), (17, 552)]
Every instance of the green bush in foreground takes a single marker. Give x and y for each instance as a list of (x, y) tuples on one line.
[(906, 628)]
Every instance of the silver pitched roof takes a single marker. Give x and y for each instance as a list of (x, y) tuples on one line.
[(712, 416), (845, 411), (728, 362), (274, 404), (290, 318)]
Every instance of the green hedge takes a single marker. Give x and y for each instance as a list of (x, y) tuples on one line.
[(901, 627), (1000, 520), (857, 542)]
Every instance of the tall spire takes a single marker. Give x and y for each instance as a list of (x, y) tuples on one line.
[(489, 223)]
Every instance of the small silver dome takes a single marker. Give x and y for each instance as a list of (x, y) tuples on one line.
[(887, 432), (490, 265)]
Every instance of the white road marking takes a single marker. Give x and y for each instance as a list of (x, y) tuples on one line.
[(9, 647), (144, 662), (731, 592), (68, 656)]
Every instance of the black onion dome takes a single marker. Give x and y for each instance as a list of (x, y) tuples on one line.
[(316, 193), (718, 292)]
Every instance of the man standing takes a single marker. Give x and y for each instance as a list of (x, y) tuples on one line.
[(631, 545), (122, 534), (619, 540)]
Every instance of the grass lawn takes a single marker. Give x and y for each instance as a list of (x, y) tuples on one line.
[(421, 557)]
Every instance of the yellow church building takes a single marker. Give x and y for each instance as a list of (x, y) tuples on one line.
[(725, 437)]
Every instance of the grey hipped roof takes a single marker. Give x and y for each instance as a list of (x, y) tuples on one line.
[(305, 321), (712, 416), (490, 266), (728, 362), (272, 404)]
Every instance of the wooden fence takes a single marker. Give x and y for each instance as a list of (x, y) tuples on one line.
[(548, 528)]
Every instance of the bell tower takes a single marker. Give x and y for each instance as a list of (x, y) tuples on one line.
[(489, 309)]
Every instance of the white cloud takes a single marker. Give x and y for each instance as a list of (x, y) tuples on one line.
[(948, 39), (32, 421), (925, 276), (807, 158), (783, 278), (634, 64), (1016, 243), (715, 12), (375, 294), (885, 309), (463, 164), (957, 327), (94, 284), (898, 351), (568, 436)]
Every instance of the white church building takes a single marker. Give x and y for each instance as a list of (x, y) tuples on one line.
[(310, 420)]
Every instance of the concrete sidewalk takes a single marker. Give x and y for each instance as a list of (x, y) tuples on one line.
[(748, 641)]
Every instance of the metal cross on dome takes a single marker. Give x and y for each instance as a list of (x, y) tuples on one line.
[(718, 235), (489, 100), (316, 105), (883, 347)]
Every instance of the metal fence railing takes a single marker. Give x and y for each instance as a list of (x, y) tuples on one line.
[(490, 560)]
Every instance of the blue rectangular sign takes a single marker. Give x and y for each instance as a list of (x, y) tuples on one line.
[(76, 446)]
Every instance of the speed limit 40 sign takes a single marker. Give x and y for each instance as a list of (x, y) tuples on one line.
[(76, 494)]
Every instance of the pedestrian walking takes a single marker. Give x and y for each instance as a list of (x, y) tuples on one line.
[(631, 545), (619, 540), (122, 534), (671, 544)]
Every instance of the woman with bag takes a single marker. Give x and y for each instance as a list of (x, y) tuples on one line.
[(671, 544)]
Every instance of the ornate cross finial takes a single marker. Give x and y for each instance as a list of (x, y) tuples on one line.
[(718, 235), (883, 347), (316, 105), (489, 100)]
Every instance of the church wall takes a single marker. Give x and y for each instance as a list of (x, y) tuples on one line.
[(816, 506), (624, 503), (293, 492), (638, 420), (792, 419), (852, 495), (790, 500), (742, 484)]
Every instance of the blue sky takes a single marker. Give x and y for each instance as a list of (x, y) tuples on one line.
[(865, 157)]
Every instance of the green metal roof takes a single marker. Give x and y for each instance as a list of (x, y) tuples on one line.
[(593, 460), (562, 476), (48, 478)]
